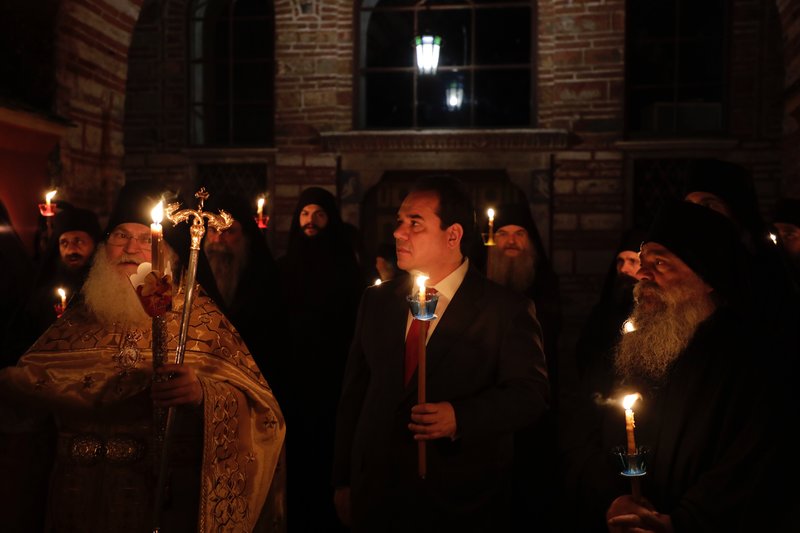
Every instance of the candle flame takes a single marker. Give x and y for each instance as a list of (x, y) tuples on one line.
[(628, 326), (377, 282), (421, 282), (158, 213), (630, 399), (260, 204), (490, 214), (49, 196), (62, 292), (774, 238)]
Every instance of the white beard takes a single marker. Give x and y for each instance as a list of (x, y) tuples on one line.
[(109, 294), (665, 325)]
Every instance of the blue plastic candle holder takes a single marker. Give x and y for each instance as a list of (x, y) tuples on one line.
[(632, 464), (425, 311)]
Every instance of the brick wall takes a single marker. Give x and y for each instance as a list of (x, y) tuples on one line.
[(790, 22), (92, 38), (580, 88)]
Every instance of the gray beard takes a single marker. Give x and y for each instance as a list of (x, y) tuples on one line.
[(514, 272), (663, 330), (110, 296), (227, 267)]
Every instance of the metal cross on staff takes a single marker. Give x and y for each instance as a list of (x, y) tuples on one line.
[(197, 230)]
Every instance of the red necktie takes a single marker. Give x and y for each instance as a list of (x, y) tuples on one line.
[(412, 350), (412, 345)]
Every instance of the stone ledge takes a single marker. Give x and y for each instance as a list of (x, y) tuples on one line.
[(656, 145), (438, 140)]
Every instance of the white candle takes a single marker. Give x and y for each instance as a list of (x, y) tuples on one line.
[(627, 403), (421, 287), (48, 197), (490, 214), (63, 294), (155, 234), (260, 208)]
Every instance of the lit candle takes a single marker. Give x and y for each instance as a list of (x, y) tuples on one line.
[(490, 214), (260, 209), (47, 198), (377, 281), (63, 294), (47, 209), (628, 326), (155, 234), (421, 287), (773, 238), (627, 403)]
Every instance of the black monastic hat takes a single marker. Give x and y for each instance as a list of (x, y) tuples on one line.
[(703, 239)]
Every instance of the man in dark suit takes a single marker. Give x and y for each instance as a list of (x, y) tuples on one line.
[(486, 378)]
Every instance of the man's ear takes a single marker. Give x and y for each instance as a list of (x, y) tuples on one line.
[(454, 234)]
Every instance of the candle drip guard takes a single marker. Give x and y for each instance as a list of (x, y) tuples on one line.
[(632, 464), (426, 311)]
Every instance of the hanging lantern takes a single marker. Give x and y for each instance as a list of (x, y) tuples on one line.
[(427, 53), (455, 95)]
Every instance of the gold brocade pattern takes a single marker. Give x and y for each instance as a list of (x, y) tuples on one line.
[(84, 371)]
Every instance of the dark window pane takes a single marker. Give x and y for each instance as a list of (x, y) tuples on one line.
[(251, 81), (454, 27), (700, 61), (502, 98), (650, 109), (252, 124), (677, 64), (698, 19), (210, 125), (251, 8), (651, 64), (434, 111), (216, 42), (388, 100), (221, 88), (502, 36), (652, 20), (390, 39), (389, 3), (700, 92), (446, 2), (252, 39)]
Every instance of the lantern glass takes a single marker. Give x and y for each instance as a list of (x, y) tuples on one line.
[(454, 95), (427, 47)]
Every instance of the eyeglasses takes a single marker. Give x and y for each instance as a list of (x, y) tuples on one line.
[(120, 238)]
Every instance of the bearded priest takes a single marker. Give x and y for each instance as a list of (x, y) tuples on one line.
[(91, 374)]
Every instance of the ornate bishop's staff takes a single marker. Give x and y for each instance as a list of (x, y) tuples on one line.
[(197, 230)]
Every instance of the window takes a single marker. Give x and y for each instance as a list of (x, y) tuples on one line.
[(486, 52), (676, 67), (231, 72)]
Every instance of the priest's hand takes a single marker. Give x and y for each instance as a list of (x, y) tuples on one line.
[(431, 421), (629, 515), (181, 388)]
